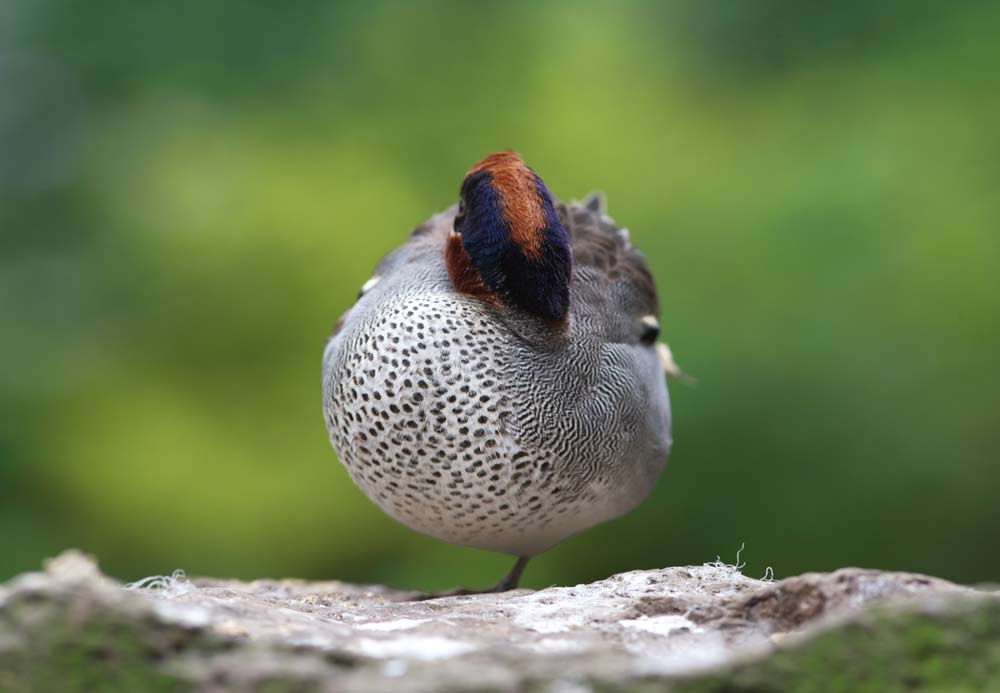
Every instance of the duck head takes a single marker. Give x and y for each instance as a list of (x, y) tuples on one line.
[(508, 243)]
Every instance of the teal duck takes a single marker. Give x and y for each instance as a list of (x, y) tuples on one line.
[(499, 382)]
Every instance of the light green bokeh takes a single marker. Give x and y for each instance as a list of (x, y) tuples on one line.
[(814, 188)]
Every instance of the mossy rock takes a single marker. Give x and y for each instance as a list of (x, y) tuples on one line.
[(944, 644), (696, 629)]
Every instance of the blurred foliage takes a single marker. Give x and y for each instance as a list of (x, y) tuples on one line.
[(191, 193)]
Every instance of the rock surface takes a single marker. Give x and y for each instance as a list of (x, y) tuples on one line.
[(702, 628)]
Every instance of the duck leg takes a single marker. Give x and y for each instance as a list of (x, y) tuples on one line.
[(507, 582)]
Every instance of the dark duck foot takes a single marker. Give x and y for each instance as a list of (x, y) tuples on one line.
[(507, 582)]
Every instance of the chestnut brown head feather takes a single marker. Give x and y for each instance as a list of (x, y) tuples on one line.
[(509, 234), (464, 277), (515, 185)]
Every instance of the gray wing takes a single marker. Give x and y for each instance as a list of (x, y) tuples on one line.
[(613, 289)]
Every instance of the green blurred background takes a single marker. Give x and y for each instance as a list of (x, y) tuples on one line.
[(191, 193)]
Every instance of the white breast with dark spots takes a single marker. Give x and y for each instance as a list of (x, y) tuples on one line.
[(457, 429)]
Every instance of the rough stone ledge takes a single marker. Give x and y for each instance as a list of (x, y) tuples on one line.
[(700, 628)]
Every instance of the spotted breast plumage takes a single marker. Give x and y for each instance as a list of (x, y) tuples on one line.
[(499, 383)]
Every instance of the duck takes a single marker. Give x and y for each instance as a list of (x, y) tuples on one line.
[(499, 382)]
